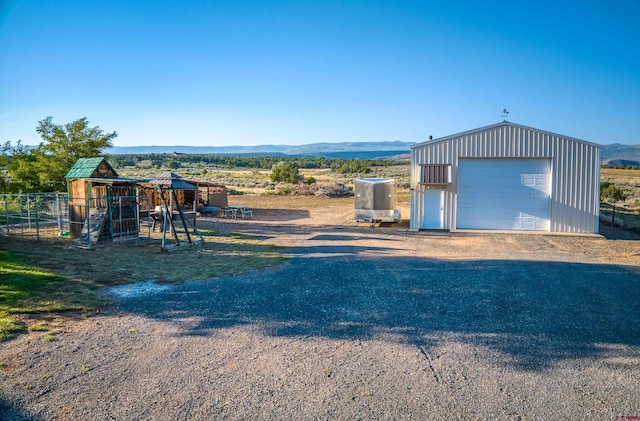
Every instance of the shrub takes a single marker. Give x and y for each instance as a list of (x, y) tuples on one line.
[(608, 191), (325, 190), (286, 173)]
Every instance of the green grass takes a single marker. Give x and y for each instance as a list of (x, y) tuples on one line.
[(41, 326), (9, 326), (27, 288), (38, 278)]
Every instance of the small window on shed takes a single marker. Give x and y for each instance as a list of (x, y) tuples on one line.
[(435, 174)]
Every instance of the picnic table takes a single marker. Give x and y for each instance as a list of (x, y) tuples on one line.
[(237, 211)]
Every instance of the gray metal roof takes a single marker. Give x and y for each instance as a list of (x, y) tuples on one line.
[(502, 123), (376, 180), (170, 180)]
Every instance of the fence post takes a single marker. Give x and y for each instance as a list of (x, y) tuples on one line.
[(6, 213), (88, 222), (35, 210), (59, 211), (22, 215), (120, 214), (613, 215)]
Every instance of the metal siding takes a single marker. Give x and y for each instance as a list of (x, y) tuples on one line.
[(575, 171)]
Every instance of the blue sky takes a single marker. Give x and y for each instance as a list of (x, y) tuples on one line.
[(216, 73)]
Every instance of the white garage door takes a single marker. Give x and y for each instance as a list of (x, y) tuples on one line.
[(504, 194)]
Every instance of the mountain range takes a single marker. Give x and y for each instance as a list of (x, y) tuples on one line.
[(614, 154), (346, 150), (617, 154)]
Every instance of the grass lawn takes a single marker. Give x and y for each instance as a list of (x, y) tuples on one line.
[(38, 279)]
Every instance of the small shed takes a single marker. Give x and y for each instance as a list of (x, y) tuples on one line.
[(375, 200), (506, 177), (97, 197), (211, 194)]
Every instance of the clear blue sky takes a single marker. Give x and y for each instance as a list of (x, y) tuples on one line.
[(291, 72)]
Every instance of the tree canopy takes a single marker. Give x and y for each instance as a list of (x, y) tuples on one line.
[(44, 167)]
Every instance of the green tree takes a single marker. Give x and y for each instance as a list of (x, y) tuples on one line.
[(21, 166), (44, 167), (285, 172)]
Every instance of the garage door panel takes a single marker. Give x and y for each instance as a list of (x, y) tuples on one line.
[(505, 194), (534, 202), (502, 213), (510, 225)]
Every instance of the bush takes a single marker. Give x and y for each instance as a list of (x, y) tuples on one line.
[(285, 173), (325, 190), (608, 191)]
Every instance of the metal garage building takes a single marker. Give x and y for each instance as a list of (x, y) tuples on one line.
[(506, 177)]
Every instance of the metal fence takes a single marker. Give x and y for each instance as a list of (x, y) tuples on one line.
[(82, 222)]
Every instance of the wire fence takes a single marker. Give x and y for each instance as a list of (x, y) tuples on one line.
[(55, 217), (620, 216)]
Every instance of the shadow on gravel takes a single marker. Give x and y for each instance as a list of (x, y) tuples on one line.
[(280, 214), (535, 314), (337, 250), (329, 237), (10, 413)]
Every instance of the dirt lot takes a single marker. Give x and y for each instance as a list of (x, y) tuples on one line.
[(358, 323)]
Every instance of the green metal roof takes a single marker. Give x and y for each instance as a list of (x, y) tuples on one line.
[(86, 167)]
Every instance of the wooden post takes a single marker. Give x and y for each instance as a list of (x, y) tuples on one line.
[(182, 217), (168, 216)]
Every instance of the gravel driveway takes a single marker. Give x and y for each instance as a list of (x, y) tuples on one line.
[(357, 324)]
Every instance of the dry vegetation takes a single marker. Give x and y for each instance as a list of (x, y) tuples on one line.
[(257, 181), (627, 212)]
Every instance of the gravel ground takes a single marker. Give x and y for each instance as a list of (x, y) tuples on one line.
[(359, 323)]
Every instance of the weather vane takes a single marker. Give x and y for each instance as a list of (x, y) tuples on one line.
[(505, 113)]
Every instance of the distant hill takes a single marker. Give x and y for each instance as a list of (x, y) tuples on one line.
[(345, 150), (617, 154), (621, 163), (614, 154)]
